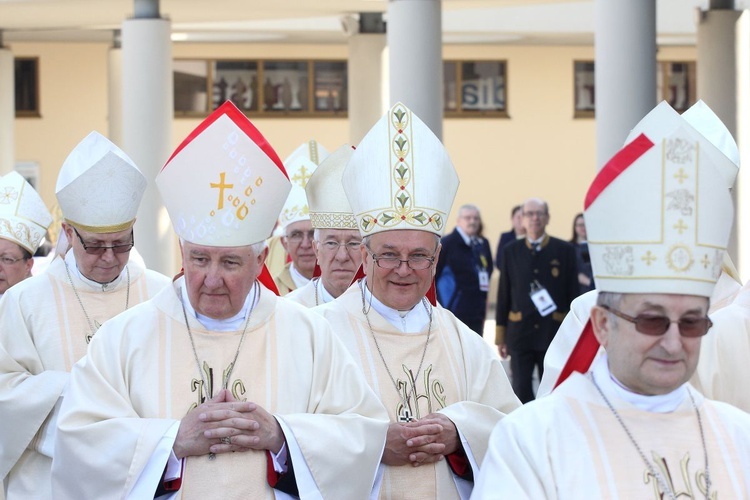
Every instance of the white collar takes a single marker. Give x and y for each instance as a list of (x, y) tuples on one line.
[(298, 279), (323, 294), (411, 321), (661, 403), (467, 239), (70, 260), (537, 241), (222, 325)]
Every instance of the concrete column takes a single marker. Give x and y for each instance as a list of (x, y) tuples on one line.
[(717, 79), (365, 83), (114, 90), (742, 185), (416, 59), (625, 72), (7, 111), (147, 103)]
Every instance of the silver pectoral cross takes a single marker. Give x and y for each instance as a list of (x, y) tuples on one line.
[(405, 415)]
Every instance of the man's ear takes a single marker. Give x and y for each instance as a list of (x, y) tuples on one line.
[(602, 323), (262, 256)]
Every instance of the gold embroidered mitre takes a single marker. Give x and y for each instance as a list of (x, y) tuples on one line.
[(224, 185), (24, 217), (400, 176), (300, 165), (659, 213), (329, 207), (99, 188)]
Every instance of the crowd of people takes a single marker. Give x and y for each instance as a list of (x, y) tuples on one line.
[(323, 338)]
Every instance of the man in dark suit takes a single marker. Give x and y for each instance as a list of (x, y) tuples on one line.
[(463, 270), (538, 280), (516, 231)]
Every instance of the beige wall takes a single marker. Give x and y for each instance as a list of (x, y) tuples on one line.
[(540, 150)]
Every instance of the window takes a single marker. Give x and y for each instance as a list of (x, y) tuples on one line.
[(258, 87), (474, 88), (675, 83), (26, 72), (584, 89), (190, 84)]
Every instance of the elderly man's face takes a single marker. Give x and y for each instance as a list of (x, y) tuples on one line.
[(650, 364), (339, 257), (535, 219), (104, 267), (401, 288), (298, 242), (13, 266), (218, 279), (468, 221)]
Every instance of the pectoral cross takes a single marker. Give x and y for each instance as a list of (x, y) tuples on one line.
[(405, 415)]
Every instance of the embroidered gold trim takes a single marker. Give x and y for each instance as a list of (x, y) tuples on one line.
[(332, 220), (113, 228)]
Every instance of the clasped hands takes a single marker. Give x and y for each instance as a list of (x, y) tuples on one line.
[(223, 424), (422, 441)]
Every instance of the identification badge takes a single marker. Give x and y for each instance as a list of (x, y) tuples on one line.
[(484, 280), (542, 299)]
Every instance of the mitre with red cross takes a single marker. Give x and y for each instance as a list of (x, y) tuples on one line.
[(224, 185), (659, 213)]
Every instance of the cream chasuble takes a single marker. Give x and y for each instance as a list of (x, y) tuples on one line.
[(461, 377), (570, 445), (311, 295), (284, 281), (140, 377), (44, 332)]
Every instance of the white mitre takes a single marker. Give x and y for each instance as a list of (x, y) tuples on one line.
[(99, 187), (224, 185), (400, 176), (24, 217), (329, 207), (300, 165), (659, 213)]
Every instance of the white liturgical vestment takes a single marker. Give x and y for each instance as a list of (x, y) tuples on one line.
[(461, 377), (44, 331), (569, 445), (140, 377)]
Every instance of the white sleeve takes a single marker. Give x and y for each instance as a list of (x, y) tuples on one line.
[(148, 481), (305, 482)]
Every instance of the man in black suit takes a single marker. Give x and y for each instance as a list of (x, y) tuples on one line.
[(463, 270), (516, 231), (538, 280)]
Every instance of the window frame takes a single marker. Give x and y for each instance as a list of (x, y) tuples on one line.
[(27, 113), (310, 112), (459, 112)]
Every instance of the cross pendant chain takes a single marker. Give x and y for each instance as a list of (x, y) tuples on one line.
[(405, 415)]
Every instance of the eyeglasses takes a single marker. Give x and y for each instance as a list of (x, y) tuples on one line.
[(414, 263), (333, 246), (658, 325), (9, 261), (299, 236), (92, 250), (539, 214)]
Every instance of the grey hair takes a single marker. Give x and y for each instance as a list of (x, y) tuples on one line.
[(609, 299), (366, 240), (468, 206), (538, 201), (257, 248)]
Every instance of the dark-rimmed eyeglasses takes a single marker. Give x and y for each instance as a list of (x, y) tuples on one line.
[(648, 324), (414, 263), (96, 250)]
